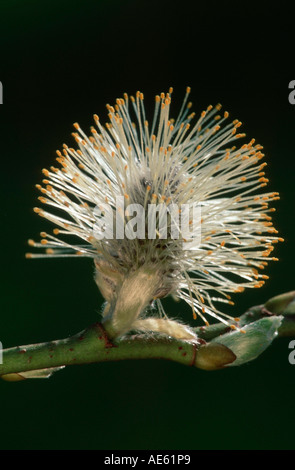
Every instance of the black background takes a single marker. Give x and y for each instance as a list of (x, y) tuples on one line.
[(60, 62)]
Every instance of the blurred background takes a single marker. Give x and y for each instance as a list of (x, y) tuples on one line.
[(61, 62)]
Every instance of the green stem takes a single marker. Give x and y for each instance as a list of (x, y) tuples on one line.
[(93, 345), (255, 313)]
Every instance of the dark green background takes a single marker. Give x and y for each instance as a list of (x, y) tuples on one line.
[(60, 62)]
